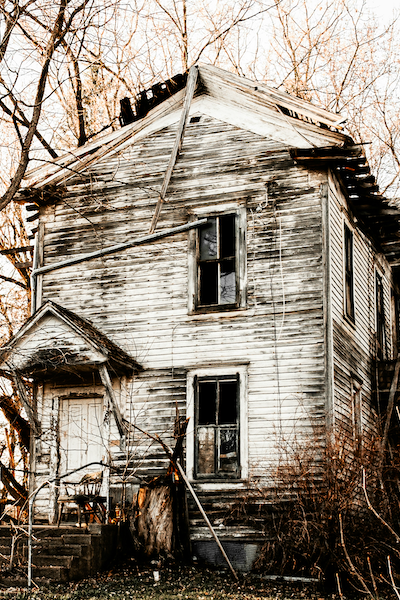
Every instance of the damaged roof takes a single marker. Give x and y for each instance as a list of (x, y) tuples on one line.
[(251, 106), (313, 136)]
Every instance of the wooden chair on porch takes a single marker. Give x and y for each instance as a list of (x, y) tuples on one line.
[(86, 496)]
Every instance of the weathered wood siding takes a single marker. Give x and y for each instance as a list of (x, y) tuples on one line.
[(354, 344), (139, 297)]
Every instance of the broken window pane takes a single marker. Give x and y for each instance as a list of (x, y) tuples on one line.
[(380, 317), (217, 426), (227, 236), (227, 413), (349, 272), (208, 240), (228, 282), (209, 283), (206, 450), (228, 451), (207, 402)]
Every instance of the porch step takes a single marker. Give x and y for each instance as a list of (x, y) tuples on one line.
[(52, 573), (52, 560), (58, 553)]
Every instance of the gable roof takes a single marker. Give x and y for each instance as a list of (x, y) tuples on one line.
[(310, 133), (237, 100), (56, 339)]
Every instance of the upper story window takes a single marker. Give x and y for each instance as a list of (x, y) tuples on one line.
[(348, 273), (217, 262), (380, 319)]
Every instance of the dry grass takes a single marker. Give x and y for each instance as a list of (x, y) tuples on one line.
[(134, 581)]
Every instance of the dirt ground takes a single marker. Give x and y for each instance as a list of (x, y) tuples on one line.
[(134, 581)]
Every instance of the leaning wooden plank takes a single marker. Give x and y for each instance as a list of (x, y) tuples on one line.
[(206, 519), (190, 87), (19, 384), (106, 381), (112, 249)]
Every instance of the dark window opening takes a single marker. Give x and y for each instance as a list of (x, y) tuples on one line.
[(395, 322), (381, 349), (195, 119), (217, 262), (348, 273), (217, 427)]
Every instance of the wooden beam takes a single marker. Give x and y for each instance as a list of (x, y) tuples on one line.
[(112, 249), (16, 250), (106, 381), (190, 87), (206, 519), (19, 384)]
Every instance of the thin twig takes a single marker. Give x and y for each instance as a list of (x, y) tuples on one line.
[(378, 516), (353, 570), (339, 586), (396, 591), (372, 576)]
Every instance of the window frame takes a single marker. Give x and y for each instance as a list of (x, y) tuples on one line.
[(224, 372), (348, 273), (380, 317), (357, 413), (216, 427), (194, 306)]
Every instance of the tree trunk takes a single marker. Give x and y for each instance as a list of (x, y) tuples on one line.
[(161, 518)]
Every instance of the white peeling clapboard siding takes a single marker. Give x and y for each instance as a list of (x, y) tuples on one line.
[(139, 297), (354, 342)]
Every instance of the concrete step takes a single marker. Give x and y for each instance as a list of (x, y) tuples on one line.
[(58, 547), (43, 560), (53, 531), (13, 581), (83, 540), (54, 573), (59, 553)]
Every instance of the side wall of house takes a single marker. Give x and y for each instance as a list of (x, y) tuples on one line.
[(139, 297), (355, 340)]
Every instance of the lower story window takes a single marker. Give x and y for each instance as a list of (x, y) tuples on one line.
[(217, 444)]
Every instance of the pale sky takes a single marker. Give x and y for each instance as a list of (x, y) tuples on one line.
[(384, 8)]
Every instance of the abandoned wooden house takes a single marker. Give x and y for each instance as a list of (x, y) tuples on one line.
[(226, 256)]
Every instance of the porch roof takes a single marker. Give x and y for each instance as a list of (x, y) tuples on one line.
[(54, 339)]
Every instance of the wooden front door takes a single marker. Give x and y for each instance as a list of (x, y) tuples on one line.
[(81, 434)]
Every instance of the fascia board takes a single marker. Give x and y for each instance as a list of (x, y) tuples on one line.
[(294, 133), (67, 166), (213, 75)]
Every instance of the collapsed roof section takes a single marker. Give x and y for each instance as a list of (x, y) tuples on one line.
[(378, 217), (312, 135), (239, 101)]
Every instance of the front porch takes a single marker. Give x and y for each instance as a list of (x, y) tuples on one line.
[(63, 553)]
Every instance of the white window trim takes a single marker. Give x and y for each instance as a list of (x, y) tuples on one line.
[(210, 211), (230, 369)]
